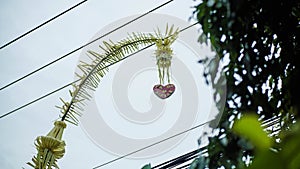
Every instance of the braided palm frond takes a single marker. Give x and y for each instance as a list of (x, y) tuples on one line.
[(94, 71)]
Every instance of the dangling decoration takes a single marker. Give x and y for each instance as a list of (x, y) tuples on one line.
[(164, 55), (164, 92)]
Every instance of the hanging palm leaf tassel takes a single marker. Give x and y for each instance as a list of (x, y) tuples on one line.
[(50, 148), (164, 55)]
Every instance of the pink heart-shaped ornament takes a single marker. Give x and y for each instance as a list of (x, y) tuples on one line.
[(164, 92)]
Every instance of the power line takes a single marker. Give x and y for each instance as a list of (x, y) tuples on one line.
[(50, 93), (79, 48), (39, 26), (181, 159), (153, 144)]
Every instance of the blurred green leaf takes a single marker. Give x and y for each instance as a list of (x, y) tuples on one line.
[(148, 166), (291, 147), (267, 159), (249, 127), (295, 162), (194, 164)]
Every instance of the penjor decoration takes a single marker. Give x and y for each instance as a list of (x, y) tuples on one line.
[(51, 148), (164, 55)]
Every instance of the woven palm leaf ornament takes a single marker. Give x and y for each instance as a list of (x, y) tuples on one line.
[(164, 55), (51, 147)]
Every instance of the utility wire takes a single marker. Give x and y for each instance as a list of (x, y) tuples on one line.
[(50, 93), (39, 26), (153, 144), (181, 159), (79, 48)]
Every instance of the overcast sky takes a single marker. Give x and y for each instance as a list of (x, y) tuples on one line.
[(59, 37)]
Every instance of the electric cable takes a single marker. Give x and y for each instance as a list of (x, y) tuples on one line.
[(179, 160), (42, 24), (79, 48)]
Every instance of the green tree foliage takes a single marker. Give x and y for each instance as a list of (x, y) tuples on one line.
[(260, 42)]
